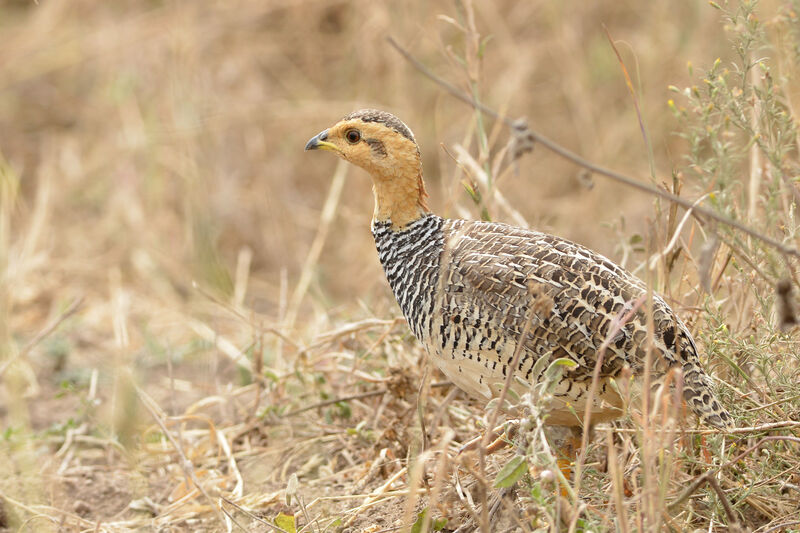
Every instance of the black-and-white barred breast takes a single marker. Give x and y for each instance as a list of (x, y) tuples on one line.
[(411, 261)]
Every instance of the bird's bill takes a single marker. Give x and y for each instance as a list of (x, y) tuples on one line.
[(318, 142)]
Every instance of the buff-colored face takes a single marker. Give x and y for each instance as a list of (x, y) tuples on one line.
[(376, 148), (384, 147)]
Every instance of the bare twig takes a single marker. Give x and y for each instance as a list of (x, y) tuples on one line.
[(772, 426), (596, 169), (712, 481), (700, 480), (635, 98), (336, 400), (185, 464), (616, 326), (43, 334), (781, 527), (249, 514)]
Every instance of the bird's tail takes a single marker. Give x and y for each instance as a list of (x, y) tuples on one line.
[(698, 394)]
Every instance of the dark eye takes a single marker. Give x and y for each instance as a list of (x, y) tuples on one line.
[(352, 136)]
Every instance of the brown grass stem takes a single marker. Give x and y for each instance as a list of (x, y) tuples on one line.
[(702, 478), (712, 482), (42, 334), (617, 483), (332, 401), (186, 465), (637, 107), (325, 221), (616, 327)]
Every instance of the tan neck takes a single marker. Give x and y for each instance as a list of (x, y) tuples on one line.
[(399, 201), (400, 196)]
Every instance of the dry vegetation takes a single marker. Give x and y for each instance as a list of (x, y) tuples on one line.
[(195, 333)]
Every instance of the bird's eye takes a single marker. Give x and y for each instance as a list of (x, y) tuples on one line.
[(352, 136)]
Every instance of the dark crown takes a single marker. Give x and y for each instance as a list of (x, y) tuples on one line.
[(387, 119)]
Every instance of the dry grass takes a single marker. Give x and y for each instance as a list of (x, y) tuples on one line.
[(195, 333)]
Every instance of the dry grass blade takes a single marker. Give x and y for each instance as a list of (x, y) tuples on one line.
[(732, 518), (185, 463), (332, 401), (250, 515), (653, 261), (617, 483), (43, 334), (700, 480), (222, 343), (325, 220), (617, 324), (632, 91)]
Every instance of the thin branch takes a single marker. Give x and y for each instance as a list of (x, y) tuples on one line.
[(700, 480), (522, 130), (185, 464), (712, 481), (781, 527), (43, 334), (617, 324), (336, 400), (771, 426)]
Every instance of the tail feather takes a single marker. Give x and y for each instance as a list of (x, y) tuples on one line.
[(698, 394)]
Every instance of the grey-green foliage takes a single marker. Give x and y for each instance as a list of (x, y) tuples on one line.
[(740, 130)]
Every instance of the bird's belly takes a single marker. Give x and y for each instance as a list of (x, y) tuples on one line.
[(481, 373)]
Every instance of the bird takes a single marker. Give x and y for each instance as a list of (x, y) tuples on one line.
[(470, 289)]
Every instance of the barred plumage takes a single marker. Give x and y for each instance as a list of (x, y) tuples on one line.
[(466, 289)]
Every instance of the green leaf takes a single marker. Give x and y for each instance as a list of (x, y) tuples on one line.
[(473, 193), (421, 519), (558, 366), (538, 368), (536, 493), (552, 376), (439, 524), (482, 45), (285, 522), (270, 375), (344, 409), (511, 473)]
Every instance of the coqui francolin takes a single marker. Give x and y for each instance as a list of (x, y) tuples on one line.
[(465, 288)]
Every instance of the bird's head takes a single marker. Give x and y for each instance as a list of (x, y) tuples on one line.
[(382, 145)]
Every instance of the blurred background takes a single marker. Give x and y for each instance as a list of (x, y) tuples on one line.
[(155, 190), (158, 140)]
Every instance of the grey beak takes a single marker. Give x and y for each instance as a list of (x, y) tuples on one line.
[(318, 141)]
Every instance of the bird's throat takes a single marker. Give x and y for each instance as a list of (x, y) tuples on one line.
[(399, 200)]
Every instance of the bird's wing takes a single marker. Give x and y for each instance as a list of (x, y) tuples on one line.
[(499, 274)]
